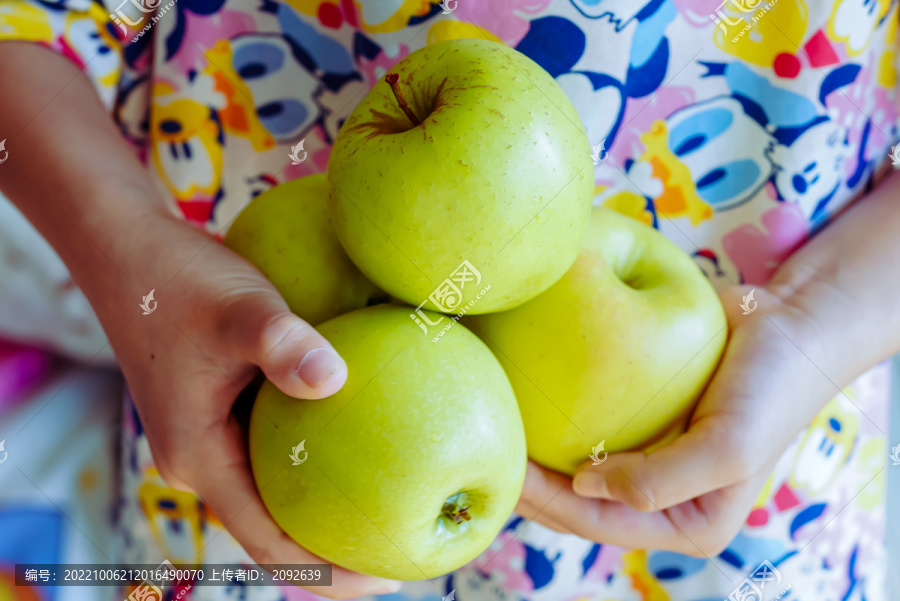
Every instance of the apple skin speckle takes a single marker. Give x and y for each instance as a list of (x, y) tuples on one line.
[(520, 138)]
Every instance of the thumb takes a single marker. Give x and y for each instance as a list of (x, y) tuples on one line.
[(290, 352), (709, 456)]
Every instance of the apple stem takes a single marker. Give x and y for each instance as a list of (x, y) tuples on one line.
[(394, 80)]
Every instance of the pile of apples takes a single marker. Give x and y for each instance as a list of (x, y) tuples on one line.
[(462, 185)]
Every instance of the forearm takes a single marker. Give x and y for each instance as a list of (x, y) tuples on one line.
[(70, 172), (843, 287)]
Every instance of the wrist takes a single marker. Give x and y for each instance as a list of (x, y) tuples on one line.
[(802, 312), (781, 345), (136, 247)]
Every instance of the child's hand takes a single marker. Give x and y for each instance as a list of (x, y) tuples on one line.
[(693, 495), (217, 319)]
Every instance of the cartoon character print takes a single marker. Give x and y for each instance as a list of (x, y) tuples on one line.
[(498, 574), (181, 21), (663, 575), (853, 23), (130, 110), (271, 97), (187, 151), (825, 448), (507, 21), (799, 128), (175, 522), (760, 32), (25, 22), (811, 171), (600, 91), (554, 562), (678, 197), (619, 12), (88, 41), (701, 139), (719, 273), (279, 86), (384, 17), (631, 204), (176, 519)]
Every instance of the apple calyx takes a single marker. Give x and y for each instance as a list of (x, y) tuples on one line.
[(454, 510), (393, 80)]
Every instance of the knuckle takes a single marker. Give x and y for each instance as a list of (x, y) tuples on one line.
[(283, 329), (643, 502), (175, 472), (634, 495)]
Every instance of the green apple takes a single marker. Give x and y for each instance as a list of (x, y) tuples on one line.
[(616, 352), (473, 154), (286, 233), (408, 472)]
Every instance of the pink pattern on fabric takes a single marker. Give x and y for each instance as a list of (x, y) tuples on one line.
[(697, 12), (785, 498), (607, 563), (21, 368), (202, 32), (864, 98), (758, 254), (508, 561), (502, 18), (317, 161), (375, 69)]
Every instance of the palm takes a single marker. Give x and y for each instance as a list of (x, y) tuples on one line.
[(692, 495)]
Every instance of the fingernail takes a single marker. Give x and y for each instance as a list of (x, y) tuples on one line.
[(590, 484), (318, 365)]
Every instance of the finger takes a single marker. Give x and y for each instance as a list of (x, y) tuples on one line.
[(702, 528), (227, 486), (709, 456), (292, 354), (601, 521), (541, 491)]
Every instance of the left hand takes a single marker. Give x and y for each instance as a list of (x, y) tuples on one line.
[(693, 495)]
